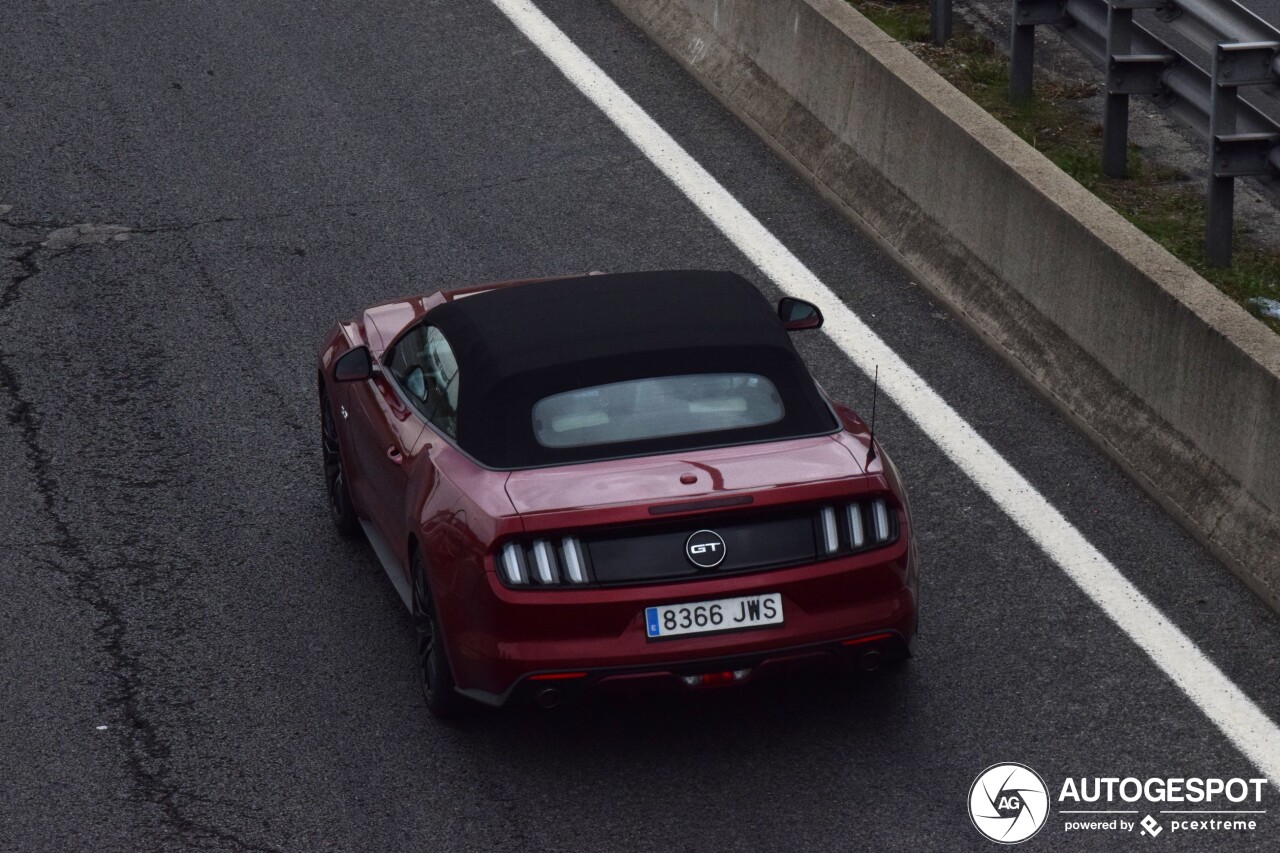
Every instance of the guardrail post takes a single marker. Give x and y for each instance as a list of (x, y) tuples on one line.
[(1222, 190), (1233, 155), (1027, 15), (940, 21), (1127, 74)]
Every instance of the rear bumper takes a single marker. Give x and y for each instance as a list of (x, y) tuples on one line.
[(499, 640), (864, 653)]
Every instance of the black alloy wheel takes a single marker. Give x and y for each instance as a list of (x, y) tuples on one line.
[(438, 688), (341, 508)]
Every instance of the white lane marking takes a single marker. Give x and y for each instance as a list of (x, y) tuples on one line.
[(1215, 694)]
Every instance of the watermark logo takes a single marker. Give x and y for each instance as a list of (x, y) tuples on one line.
[(1008, 803)]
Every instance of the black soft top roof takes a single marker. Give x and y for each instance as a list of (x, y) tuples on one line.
[(517, 345)]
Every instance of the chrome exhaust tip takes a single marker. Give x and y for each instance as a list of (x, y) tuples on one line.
[(547, 698), (870, 660)]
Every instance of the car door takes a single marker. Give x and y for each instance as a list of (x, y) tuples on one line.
[(392, 432), (419, 381)]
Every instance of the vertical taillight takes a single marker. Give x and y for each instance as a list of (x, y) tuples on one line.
[(857, 535), (544, 561), (830, 533), (855, 526), (880, 518), (574, 565), (513, 564)]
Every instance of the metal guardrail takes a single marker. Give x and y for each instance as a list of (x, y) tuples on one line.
[(1244, 50)]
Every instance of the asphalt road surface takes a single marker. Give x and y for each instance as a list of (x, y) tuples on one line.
[(191, 658)]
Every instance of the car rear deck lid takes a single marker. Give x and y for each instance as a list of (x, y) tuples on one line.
[(654, 481)]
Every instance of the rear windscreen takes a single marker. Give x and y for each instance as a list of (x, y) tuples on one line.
[(656, 408)]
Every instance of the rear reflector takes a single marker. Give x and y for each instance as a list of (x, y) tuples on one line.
[(556, 676), (873, 638)]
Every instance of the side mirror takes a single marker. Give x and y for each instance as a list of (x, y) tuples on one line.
[(798, 315), (353, 366)]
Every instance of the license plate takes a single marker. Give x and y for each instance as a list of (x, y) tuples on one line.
[(709, 617)]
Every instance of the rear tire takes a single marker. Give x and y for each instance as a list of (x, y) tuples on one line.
[(341, 508), (438, 687)]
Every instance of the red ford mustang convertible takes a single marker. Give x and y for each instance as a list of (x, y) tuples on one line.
[(612, 477)]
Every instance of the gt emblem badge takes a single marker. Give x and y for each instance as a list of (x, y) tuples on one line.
[(343, 410), (705, 549)]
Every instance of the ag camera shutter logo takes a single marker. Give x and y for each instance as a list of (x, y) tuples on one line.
[(1008, 803)]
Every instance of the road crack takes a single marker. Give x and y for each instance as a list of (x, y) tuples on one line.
[(145, 748)]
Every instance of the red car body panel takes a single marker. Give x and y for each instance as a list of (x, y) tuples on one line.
[(414, 488), (632, 483)]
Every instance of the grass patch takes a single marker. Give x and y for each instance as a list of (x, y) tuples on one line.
[(1163, 202)]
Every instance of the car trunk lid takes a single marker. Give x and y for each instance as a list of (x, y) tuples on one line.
[(624, 490)]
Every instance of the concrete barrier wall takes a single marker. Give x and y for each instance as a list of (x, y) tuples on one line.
[(1176, 382)]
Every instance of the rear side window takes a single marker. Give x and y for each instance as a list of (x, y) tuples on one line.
[(424, 366), (656, 408)]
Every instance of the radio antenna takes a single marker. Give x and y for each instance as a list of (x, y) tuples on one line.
[(875, 392)]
